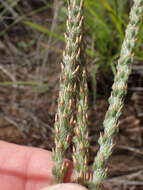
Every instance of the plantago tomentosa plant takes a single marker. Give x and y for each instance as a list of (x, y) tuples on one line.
[(119, 90), (73, 79), (65, 119)]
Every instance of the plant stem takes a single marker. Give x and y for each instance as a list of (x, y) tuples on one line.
[(116, 100), (65, 117)]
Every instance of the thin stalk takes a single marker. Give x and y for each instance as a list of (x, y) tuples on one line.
[(116, 100), (65, 117)]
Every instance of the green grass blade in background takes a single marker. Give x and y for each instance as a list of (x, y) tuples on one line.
[(43, 30)]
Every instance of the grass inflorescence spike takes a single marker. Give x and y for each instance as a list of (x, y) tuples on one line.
[(65, 117), (116, 100), (81, 141)]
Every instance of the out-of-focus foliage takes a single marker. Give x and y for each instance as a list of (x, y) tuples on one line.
[(105, 23)]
